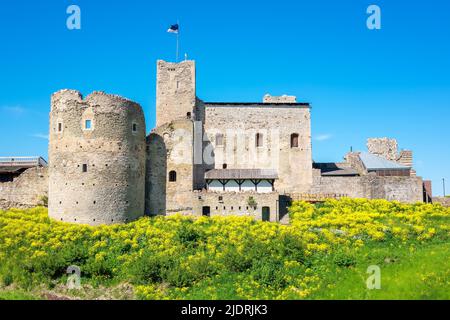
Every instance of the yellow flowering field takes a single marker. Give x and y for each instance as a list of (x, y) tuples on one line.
[(323, 253)]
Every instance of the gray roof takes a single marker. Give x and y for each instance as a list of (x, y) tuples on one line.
[(373, 162), (18, 164), (241, 174), (335, 169)]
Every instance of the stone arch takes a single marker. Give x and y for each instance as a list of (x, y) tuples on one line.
[(172, 176)]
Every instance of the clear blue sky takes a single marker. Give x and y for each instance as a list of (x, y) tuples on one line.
[(391, 82)]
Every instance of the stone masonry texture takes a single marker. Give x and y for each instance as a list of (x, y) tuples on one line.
[(97, 175), (27, 190)]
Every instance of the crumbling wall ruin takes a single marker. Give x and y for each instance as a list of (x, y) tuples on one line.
[(27, 190)]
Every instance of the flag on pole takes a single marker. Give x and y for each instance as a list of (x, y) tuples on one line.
[(173, 28)]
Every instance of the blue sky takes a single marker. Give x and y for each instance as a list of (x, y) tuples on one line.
[(361, 83)]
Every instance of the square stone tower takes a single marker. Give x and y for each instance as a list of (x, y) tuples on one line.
[(175, 91)]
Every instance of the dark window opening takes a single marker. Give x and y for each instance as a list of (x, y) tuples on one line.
[(172, 176), (188, 115), (259, 140), (84, 167), (224, 166), (294, 140), (134, 127), (60, 127), (220, 198), (206, 211)]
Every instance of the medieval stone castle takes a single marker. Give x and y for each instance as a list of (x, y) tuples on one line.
[(202, 158)]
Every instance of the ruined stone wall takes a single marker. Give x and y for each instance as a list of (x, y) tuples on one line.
[(239, 125), (112, 152), (26, 190), (349, 186), (353, 159), (403, 189), (445, 201), (170, 148), (175, 91), (235, 204), (279, 99), (384, 147)]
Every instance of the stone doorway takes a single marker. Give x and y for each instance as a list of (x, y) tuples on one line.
[(265, 214)]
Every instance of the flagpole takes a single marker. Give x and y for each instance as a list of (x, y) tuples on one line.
[(178, 39)]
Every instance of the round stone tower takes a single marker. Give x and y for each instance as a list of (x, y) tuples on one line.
[(96, 158)]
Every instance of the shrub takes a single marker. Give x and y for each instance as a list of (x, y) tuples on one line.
[(220, 257)]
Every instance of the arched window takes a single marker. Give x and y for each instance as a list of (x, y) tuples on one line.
[(259, 139), (172, 176), (294, 140), (224, 166), (188, 115)]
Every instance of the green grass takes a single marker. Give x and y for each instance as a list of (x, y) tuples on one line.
[(420, 275), (16, 295)]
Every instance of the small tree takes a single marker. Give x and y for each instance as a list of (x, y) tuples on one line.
[(43, 201), (252, 202)]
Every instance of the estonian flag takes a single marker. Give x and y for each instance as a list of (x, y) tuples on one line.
[(173, 28)]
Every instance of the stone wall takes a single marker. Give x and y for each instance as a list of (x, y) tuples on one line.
[(403, 189), (384, 147), (175, 91), (445, 201), (279, 99), (236, 204), (26, 190), (170, 148), (239, 125), (97, 175), (353, 159)]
